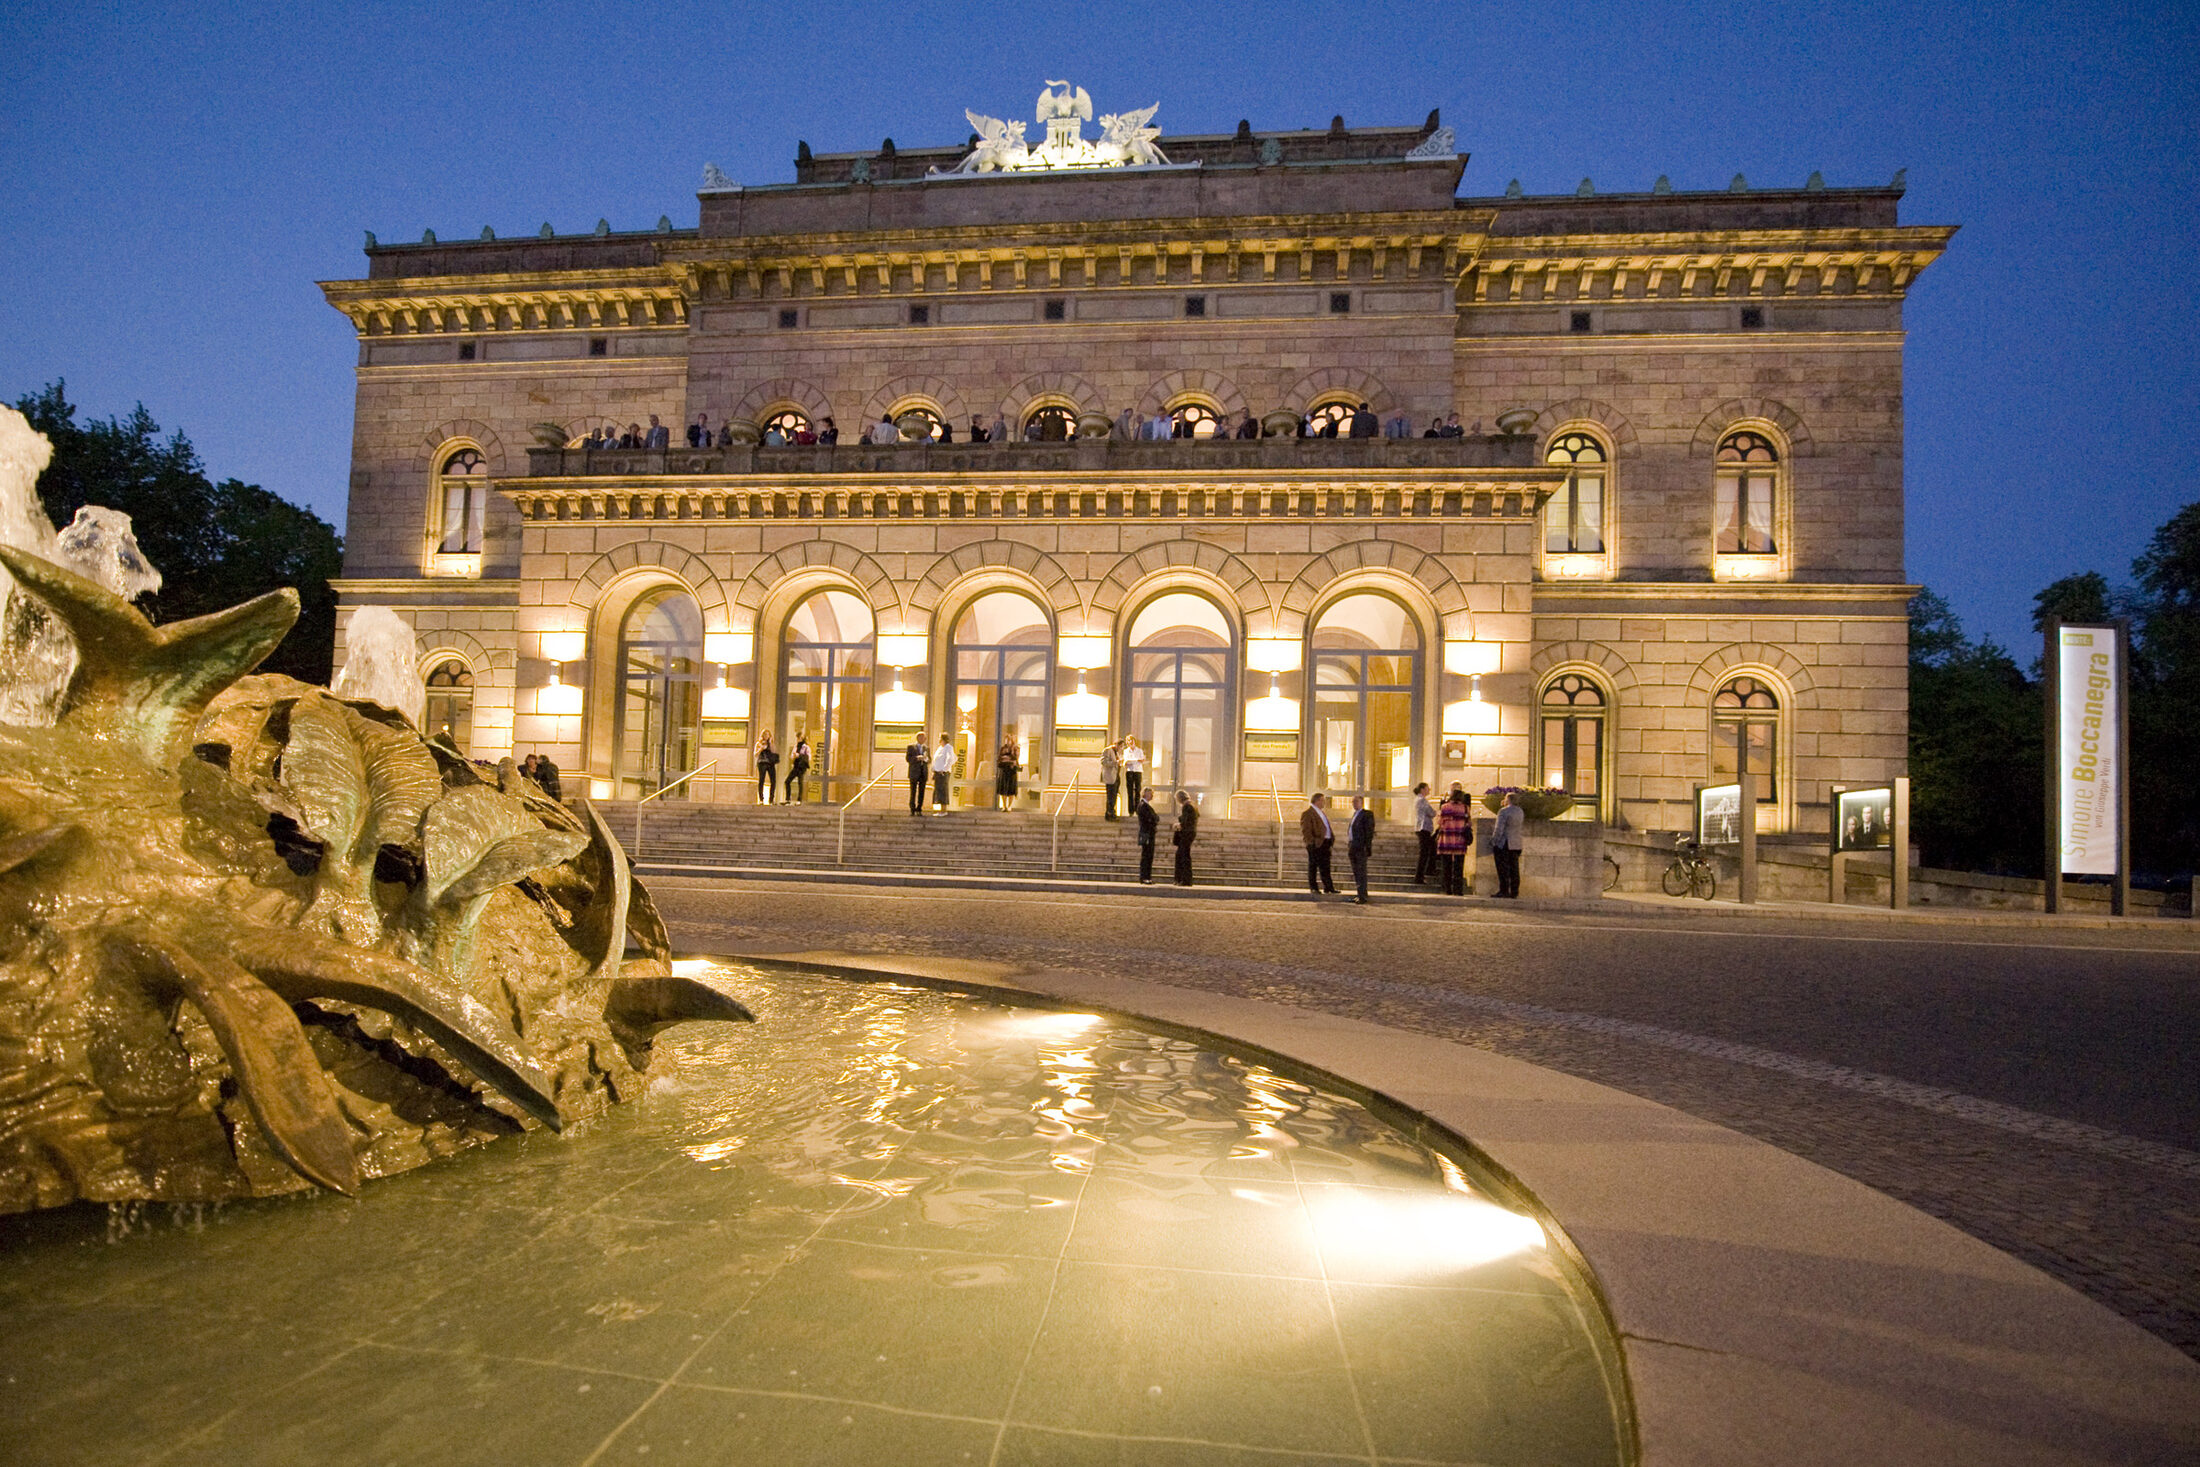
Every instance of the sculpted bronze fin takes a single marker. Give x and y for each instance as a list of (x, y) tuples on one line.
[(142, 683), (646, 1005)]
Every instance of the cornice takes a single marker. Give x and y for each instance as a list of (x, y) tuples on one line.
[(1561, 597), (439, 588)]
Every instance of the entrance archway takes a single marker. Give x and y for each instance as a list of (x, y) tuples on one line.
[(659, 705), (1366, 655), (827, 678), (1181, 675), (1002, 666)]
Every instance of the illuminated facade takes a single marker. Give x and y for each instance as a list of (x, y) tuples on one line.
[(1672, 521)]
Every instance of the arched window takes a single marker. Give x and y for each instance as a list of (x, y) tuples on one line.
[(1197, 419), (1180, 671), (1573, 735), (1366, 654), (1002, 665), (462, 495), (1336, 411), (1748, 477), (789, 421), (827, 684), (1745, 712), (660, 692), (919, 423), (1050, 423), (1573, 518), (449, 713)]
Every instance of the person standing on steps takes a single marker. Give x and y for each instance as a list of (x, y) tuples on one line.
[(767, 770), (1453, 831), (1005, 767), (1149, 825), (920, 765), (943, 769), (798, 769), (1187, 831), (1507, 837), (1320, 839), (1111, 775), (1424, 832), (1359, 844), (1134, 768)]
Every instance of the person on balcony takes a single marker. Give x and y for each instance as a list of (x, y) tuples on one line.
[(977, 429), (1250, 428), (828, 432), (659, 435), (1365, 423)]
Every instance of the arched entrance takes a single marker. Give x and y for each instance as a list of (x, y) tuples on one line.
[(1181, 670), (1002, 664), (1366, 655), (826, 685), (659, 705)]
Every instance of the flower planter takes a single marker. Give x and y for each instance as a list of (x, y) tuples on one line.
[(1535, 804)]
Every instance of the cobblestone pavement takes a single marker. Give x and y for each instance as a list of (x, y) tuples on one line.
[(2038, 1088)]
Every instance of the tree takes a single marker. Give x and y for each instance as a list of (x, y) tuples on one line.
[(1976, 749), (2165, 702), (214, 544), (2082, 597)]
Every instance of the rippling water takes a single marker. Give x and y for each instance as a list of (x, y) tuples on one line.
[(882, 1224)]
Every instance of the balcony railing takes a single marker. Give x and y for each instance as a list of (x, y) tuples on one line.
[(1085, 455)]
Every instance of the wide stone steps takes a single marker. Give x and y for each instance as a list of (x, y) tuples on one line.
[(974, 843)]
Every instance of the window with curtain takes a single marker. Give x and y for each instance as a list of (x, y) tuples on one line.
[(1748, 470), (463, 492), (1573, 518)]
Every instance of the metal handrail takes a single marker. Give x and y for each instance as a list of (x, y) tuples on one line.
[(840, 848), (635, 853), (1276, 797), (1054, 832)]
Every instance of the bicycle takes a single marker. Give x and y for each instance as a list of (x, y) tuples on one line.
[(1692, 872), (1611, 874)]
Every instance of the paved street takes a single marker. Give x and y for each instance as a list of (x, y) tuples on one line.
[(2039, 1088)]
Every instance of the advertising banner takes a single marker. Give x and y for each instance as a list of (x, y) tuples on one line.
[(1719, 814), (1864, 820), (2090, 695)]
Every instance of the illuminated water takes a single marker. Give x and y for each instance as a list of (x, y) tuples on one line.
[(881, 1225)]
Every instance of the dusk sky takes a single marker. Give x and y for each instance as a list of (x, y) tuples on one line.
[(175, 180)]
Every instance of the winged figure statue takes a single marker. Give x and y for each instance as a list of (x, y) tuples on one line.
[(1126, 138), (1000, 145)]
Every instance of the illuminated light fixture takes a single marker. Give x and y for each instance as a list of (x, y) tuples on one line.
[(898, 704), (564, 646), (558, 698), (1081, 709), (1472, 659), (1083, 653), (1573, 565), (1272, 655), (966, 699), (725, 702), (902, 649), (599, 789), (727, 648), (1470, 716), (1747, 567), (1274, 713), (1406, 1236)]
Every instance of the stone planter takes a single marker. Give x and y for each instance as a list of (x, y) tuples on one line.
[(1535, 804), (1094, 425), (1282, 423), (745, 431), (1517, 420)]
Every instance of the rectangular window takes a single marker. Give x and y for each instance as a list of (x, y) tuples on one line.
[(1573, 519), (1744, 513), (920, 315), (599, 346), (1578, 321), (1195, 305), (467, 350), (788, 320), (1764, 754), (1057, 309), (1753, 317), (463, 508), (1340, 303)]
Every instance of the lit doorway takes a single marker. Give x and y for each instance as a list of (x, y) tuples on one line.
[(1366, 653), (660, 694), (825, 694), (1181, 676), (1003, 665)]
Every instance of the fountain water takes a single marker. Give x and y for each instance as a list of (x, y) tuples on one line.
[(382, 663)]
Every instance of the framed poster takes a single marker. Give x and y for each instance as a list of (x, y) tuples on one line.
[(1864, 820), (1719, 814), (1272, 748), (1079, 743), (895, 738)]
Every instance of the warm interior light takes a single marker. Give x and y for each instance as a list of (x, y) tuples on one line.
[(564, 646), (728, 647), (902, 649), (1084, 653), (599, 789), (1272, 654), (725, 702), (1470, 716), (1471, 659)]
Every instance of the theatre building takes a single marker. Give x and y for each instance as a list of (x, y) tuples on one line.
[(1669, 527)]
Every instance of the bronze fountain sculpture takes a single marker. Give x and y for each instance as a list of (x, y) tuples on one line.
[(256, 936)]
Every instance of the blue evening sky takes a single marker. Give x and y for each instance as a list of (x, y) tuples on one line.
[(174, 179)]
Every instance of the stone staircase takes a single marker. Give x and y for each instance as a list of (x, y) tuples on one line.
[(701, 838)]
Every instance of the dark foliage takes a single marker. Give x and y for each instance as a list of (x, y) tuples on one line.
[(214, 544)]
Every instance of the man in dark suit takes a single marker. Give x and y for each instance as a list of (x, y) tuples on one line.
[(1149, 826), (1186, 832), (920, 765), (1360, 844), (1320, 838)]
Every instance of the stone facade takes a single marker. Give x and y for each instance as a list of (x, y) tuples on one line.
[(1243, 280)]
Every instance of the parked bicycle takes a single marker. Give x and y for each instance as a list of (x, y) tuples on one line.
[(1692, 873)]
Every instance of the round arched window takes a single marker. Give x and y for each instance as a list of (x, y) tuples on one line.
[(449, 712), (1573, 737), (1748, 489), (1050, 423), (463, 500), (1745, 714), (1332, 419), (790, 423), (1573, 518), (1196, 419)]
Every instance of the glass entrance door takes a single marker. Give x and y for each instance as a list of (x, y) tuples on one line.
[(1179, 700), (1004, 682), (826, 693), (1367, 683), (660, 695)]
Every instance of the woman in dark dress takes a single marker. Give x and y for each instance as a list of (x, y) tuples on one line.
[(798, 770), (1187, 831), (767, 770), (1004, 778)]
